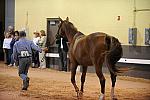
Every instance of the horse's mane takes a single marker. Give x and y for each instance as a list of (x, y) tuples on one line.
[(70, 28)]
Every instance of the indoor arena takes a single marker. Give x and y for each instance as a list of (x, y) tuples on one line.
[(74, 49)]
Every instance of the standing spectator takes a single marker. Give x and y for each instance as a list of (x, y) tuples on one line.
[(6, 47), (9, 30), (15, 37), (22, 52), (35, 55), (42, 43), (62, 49)]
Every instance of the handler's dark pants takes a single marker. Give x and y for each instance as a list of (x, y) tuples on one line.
[(35, 59), (24, 64), (63, 59), (8, 56)]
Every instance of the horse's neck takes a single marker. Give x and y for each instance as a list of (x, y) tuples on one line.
[(73, 36), (70, 37), (78, 34), (76, 37)]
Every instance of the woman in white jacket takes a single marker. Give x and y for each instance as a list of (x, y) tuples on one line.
[(35, 55), (42, 44), (6, 47)]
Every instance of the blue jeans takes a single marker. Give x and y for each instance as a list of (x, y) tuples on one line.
[(24, 64), (12, 59)]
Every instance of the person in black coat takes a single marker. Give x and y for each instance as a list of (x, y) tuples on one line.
[(62, 49), (15, 37)]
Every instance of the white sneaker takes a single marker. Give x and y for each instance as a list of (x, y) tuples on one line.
[(33, 64), (10, 65), (43, 67)]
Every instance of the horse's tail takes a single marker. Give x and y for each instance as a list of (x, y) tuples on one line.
[(114, 53)]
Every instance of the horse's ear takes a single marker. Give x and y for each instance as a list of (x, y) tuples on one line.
[(60, 19), (67, 19)]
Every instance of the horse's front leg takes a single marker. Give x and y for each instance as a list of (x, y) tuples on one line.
[(82, 80), (73, 81)]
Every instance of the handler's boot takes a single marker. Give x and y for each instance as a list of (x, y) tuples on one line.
[(27, 79), (25, 83)]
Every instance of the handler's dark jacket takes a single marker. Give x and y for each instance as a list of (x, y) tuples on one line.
[(64, 43)]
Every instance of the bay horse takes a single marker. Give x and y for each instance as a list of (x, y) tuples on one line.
[(93, 49)]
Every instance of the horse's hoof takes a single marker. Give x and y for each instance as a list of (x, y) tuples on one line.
[(102, 97), (114, 98), (80, 95)]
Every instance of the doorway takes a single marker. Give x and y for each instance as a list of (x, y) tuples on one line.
[(52, 58), (2, 27)]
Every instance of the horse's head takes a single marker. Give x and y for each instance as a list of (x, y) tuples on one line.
[(61, 27), (66, 29)]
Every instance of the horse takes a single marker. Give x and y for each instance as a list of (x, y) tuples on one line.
[(93, 49)]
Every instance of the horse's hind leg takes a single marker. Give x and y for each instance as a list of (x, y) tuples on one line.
[(102, 81), (113, 80), (73, 73)]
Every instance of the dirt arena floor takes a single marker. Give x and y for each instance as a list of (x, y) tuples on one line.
[(48, 84)]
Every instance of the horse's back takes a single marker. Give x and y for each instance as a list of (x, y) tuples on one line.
[(97, 44), (87, 47), (97, 37)]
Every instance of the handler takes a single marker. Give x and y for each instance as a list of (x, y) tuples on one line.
[(62, 49), (22, 53)]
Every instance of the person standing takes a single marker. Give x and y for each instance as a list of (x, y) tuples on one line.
[(35, 56), (10, 30), (6, 47), (42, 44), (15, 37), (22, 52), (62, 49)]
